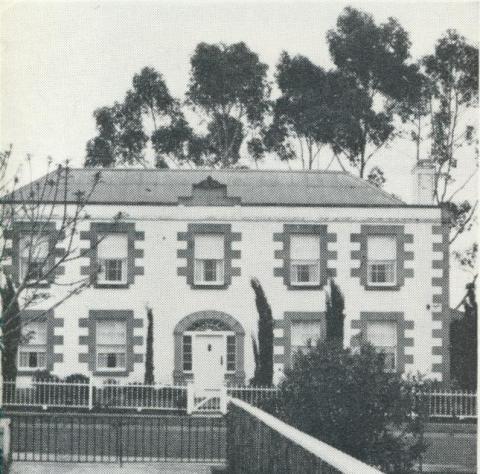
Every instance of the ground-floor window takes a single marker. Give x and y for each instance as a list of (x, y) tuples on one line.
[(383, 336), (32, 352), (231, 351), (187, 353), (111, 345), (304, 335)]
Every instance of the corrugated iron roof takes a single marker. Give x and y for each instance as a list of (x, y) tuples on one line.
[(252, 187)]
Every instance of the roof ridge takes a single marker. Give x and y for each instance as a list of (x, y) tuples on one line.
[(228, 170)]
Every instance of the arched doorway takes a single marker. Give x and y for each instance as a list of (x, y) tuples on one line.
[(209, 348)]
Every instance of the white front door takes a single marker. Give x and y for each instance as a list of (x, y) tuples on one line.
[(209, 359)]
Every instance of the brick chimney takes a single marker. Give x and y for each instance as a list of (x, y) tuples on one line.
[(423, 182)]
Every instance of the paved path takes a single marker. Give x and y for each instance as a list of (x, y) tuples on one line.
[(104, 468)]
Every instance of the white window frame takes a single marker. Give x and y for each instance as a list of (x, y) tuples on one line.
[(392, 263), (294, 264), (199, 263), (199, 272), (313, 264), (113, 350), (102, 263), (28, 347), (387, 349), (25, 263)]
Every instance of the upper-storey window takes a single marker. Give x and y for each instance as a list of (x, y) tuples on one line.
[(382, 335), (34, 257), (209, 259), (305, 260), (111, 345), (112, 259), (382, 260), (32, 352)]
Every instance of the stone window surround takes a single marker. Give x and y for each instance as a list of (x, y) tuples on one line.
[(15, 234), (285, 341), (99, 228), (90, 340), (237, 377), (402, 325), (397, 231), (189, 253), (442, 314), (52, 339), (325, 254)]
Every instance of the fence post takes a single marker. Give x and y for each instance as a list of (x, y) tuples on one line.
[(90, 393), (190, 398), (5, 447), (223, 399)]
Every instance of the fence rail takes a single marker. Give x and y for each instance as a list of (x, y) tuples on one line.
[(163, 397), (259, 442)]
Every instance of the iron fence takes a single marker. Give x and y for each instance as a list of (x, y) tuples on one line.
[(51, 437)]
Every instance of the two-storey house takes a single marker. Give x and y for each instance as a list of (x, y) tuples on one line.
[(187, 245)]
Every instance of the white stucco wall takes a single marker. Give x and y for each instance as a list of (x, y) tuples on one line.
[(171, 298)]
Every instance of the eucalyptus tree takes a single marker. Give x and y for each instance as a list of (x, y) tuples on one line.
[(376, 59), (229, 90)]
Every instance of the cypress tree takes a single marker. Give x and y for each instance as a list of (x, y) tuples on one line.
[(264, 352), (335, 316), (149, 379)]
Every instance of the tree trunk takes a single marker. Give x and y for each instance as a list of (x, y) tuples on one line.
[(149, 378), (11, 331)]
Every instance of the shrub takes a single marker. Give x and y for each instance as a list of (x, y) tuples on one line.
[(349, 401)]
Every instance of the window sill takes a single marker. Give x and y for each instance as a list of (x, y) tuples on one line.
[(110, 285), (376, 287), (209, 286), (305, 286)]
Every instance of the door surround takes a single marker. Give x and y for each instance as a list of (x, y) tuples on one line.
[(230, 325)]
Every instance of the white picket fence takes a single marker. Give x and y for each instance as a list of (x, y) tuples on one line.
[(450, 404), (439, 404), (58, 394)]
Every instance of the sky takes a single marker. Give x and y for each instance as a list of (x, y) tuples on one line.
[(62, 60)]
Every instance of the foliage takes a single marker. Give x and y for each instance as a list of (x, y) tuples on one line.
[(463, 343), (228, 85), (9, 316), (335, 315), (149, 378), (375, 58), (302, 115), (450, 89), (121, 129), (376, 177), (264, 349), (349, 401)]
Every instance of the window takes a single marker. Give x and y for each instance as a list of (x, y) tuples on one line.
[(187, 353), (32, 353), (111, 345), (304, 335), (383, 336), (112, 254), (305, 260), (34, 253), (209, 259), (231, 347), (382, 260)]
